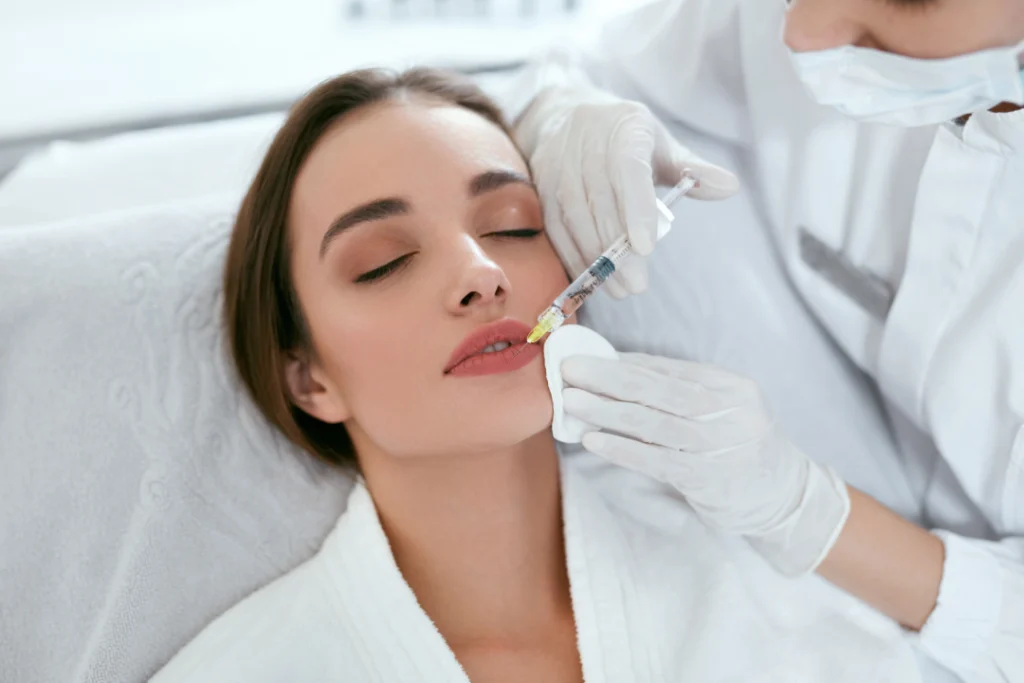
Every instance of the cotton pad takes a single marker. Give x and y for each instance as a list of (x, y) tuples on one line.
[(570, 340)]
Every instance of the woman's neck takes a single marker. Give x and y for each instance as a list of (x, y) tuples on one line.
[(478, 538)]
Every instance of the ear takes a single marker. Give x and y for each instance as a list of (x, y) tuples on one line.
[(312, 390)]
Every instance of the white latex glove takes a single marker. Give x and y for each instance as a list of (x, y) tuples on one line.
[(596, 160), (707, 433)]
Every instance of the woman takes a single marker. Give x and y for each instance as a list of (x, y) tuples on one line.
[(381, 276)]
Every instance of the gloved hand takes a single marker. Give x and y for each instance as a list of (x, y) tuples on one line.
[(596, 160), (707, 433)]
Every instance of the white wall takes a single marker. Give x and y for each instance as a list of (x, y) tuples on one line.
[(12, 11), (56, 10), (70, 67)]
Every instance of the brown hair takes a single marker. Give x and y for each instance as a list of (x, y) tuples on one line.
[(263, 315)]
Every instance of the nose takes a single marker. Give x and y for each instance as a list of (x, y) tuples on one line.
[(822, 25), (480, 283)]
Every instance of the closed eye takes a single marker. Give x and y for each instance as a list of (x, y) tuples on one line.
[(385, 270), (916, 4), (520, 234)]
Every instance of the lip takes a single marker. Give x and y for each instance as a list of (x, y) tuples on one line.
[(468, 361)]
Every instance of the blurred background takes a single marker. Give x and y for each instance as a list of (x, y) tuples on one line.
[(74, 70)]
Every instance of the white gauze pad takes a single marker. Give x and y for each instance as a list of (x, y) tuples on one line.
[(570, 340)]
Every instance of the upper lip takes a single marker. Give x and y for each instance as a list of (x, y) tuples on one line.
[(504, 330)]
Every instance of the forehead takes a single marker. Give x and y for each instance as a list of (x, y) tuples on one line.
[(404, 148)]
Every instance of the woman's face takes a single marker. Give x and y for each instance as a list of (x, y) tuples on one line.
[(926, 29), (417, 240)]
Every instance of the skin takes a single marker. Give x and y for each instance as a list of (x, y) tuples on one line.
[(886, 561), (381, 347), (928, 29), (433, 446)]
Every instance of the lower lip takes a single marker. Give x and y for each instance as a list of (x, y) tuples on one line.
[(507, 360)]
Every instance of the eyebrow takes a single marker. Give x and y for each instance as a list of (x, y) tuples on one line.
[(489, 181), (380, 209), (377, 210)]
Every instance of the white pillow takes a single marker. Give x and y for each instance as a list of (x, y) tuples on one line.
[(141, 494), (136, 169), (147, 167)]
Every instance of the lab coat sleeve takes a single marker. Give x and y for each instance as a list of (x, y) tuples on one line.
[(682, 58), (977, 627)]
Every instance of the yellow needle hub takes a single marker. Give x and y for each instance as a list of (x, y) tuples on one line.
[(548, 321), (536, 334)]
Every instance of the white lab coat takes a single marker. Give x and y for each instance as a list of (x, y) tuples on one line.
[(657, 597), (908, 245)]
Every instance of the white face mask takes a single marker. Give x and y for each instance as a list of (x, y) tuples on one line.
[(881, 87)]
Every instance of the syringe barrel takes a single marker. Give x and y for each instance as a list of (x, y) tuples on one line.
[(593, 277)]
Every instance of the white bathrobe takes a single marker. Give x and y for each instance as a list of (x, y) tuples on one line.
[(657, 598)]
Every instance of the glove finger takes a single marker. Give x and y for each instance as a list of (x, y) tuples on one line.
[(631, 274), (656, 462), (562, 240), (707, 376), (630, 150), (578, 191), (572, 229), (601, 200), (559, 188), (671, 160), (637, 421), (639, 385), (598, 185), (615, 288)]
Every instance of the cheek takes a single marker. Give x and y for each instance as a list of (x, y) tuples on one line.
[(951, 29), (386, 362), (541, 277), (366, 349)]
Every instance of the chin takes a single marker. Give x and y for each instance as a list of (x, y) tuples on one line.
[(510, 414), (509, 427), (520, 426)]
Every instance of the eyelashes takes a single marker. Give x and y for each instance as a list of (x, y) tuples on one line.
[(383, 271), (901, 4), (520, 234), (916, 4), (392, 267)]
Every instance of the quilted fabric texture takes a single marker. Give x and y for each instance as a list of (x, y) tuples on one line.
[(141, 493), (135, 169)]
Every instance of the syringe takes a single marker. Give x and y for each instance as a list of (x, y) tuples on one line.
[(570, 300)]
